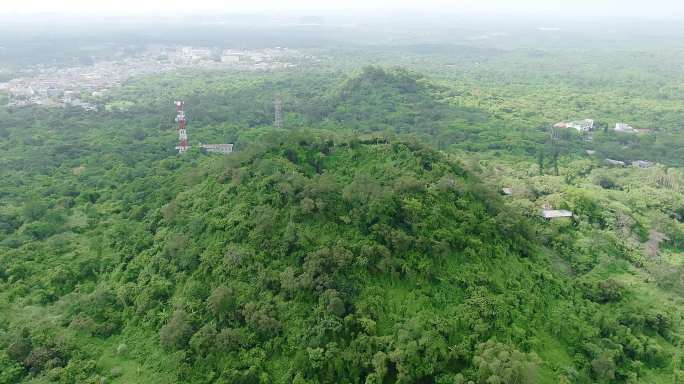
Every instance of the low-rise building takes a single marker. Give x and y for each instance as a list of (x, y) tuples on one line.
[(217, 148), (617, 163), (231, 58), (624, 128), (21, 91), (54, 92), (555, 213), (585, 125), (642, 164)]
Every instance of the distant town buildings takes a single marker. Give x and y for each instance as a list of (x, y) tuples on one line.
[(586, 125), (230, 58), (55, 87), (17, 90), (191, 53)]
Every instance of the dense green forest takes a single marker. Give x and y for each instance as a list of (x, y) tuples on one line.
[(365, 242)]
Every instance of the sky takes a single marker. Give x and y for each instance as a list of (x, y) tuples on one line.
[(551, 8)]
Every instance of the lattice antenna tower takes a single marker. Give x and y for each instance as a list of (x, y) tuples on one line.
[(278, 106), (555, 134), (182, 146)]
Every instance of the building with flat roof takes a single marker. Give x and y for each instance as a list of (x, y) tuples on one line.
[(555, 213), (217, 148), (625, 128), (585, 125), (230, 58), (642, 164), (21, 91), (615, 162)]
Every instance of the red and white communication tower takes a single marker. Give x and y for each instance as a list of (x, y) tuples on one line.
[(183, 146), (182, 132)]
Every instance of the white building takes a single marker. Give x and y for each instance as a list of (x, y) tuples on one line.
[(21, 91), (625, 128), (585, 125), (195, 53), (642, 164), (555, 214), (217, 148), (231, 58), (615, 162)]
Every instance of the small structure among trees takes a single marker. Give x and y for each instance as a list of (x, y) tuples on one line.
[(217, 148), (622, 127), (616, 163), (642, 164), (585, 125), (555, 214)]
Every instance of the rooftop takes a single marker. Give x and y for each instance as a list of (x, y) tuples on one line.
[(217, 148), (580, 125), (615, 162), (554, 214)]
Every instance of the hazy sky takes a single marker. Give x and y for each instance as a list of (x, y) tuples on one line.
[(590, 8)]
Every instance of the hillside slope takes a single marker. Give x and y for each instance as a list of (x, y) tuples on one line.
[(309, 257)]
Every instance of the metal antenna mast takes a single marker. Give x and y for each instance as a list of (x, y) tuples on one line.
[(183, 146), (182, 132), (278, 113)]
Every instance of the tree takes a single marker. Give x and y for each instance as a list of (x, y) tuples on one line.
[(603, 366), (175, 334), (204, 340), (221, 302), (540, 162), (19, 349), (498, 363)]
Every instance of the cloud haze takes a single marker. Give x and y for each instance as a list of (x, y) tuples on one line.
[(559, 8)]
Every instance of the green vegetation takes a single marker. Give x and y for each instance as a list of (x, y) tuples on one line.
[(367, 242)]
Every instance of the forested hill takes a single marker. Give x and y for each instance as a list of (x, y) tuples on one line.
[(450, 115), (390, 100), (357, 245), (309, 257), (331, 260)]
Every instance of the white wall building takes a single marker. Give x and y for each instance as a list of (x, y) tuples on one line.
[(622, 127), (585, 125)]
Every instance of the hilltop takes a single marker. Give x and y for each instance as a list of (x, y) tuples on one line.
[(309, 257), (366, 242)]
